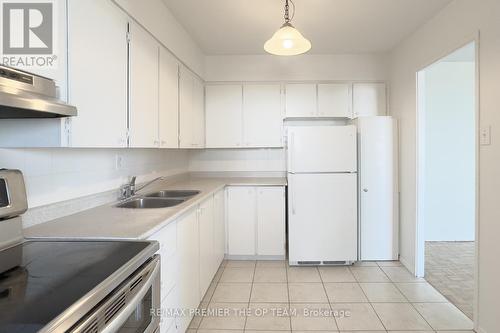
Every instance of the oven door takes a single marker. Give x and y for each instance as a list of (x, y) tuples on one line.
[(131, 307)]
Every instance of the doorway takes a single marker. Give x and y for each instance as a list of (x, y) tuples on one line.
[(446, 176)]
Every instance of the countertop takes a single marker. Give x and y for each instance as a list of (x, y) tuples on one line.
[(110, 222)]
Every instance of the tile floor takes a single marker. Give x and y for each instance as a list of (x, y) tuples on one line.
[(268, 296), (449, 267)]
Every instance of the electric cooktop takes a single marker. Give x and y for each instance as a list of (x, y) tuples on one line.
[(39, 280)]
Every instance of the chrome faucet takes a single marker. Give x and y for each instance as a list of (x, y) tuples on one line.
[(130, 189)]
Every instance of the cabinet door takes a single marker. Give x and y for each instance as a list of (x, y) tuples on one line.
[(186, 111), (199, 113), (369, 99), (262, 116), (102, 103), (168, 117), (207, 244), (224, 104), (143, 88), (334, 100), (219, 227), (241, 220), (301, 100), (271, 221), (188, 284)]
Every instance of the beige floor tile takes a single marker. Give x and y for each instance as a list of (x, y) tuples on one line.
[(312, 317), (269, 292), (307, 293), (365, 264), (453, 332), (268, 316), (414, 332), (191, 330), (382, 292), (336, 274), (232, 292), (218, 274), (272, 263), (323, 332), (237, 274), (345, 293), (394, 263), (400, 274), (240, 263), (262, 331), (420, 292), (225, 316), (210, 291), (369, 274), (270, 274), (218, 331), (444, 316), (400, 316), (303, 274), (357, 317)]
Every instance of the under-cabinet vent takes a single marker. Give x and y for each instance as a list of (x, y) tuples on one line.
[(334, 262), (309, 262), (114, 307)]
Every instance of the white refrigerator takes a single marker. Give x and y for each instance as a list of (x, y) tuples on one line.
[(322, 195)]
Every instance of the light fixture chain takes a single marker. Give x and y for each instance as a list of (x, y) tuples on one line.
[(287, 16)]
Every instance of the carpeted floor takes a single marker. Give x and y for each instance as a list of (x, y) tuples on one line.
[(449, 267)]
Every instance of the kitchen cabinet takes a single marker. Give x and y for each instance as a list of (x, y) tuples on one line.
[(301, 100), (334, 100), (144, 92), (191, 112), (219, 227), (224, 116), (255, 221), (369, 99), (262, 115), (271, 221), (99, 90), (208, 265), (168, 116)]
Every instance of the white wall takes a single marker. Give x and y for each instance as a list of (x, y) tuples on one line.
[(455, 26), (449, 152), (304, 67), (54, 175), (158, 19), (238, 160)]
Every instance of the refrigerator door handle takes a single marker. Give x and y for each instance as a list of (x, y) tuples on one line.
[(292, 195), (291, 149)]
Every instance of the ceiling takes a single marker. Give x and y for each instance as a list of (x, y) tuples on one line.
[(333, 26)]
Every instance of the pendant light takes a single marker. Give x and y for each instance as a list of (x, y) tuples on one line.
[(287, 41)]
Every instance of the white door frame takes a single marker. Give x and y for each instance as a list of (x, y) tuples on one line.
[(420, 173)]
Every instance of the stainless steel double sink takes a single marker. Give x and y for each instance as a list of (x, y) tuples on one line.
[(160, 199)]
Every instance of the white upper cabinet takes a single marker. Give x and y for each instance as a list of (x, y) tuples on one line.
[(102, 102), (191, 112), (143, 88), (224, 116), (262, 115), (369, 99), (301, 100), (168, 116), (334, 100)]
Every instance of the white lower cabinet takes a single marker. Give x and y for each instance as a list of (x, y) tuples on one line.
[(256, 221), (207, 244), (219, 227)]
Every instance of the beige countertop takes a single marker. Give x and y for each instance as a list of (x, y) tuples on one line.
[(110, 222)]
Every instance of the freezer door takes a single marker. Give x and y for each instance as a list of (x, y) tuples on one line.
[(322, 217), (314, 149)]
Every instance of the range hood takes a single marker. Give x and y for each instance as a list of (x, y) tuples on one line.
[(26, 95)]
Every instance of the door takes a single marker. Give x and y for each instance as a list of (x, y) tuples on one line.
[(198, 113), (369, 99), (334, 100), (322, 217), (189, 266), (186, 110), (241, 220), (271, 221), (322, 149), (262, 115), (143, 88), (219, 227), (168, 117), (301, 100), (102, 103), (224, 116), (207, 244), (378, 188)]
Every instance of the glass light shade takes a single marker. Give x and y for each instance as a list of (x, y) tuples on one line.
[(287, 41)]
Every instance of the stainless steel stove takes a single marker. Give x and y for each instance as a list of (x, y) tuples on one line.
[(72, 286)]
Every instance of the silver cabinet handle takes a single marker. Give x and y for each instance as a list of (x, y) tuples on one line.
[(365, 190)]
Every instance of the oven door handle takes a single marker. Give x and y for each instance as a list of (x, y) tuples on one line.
[(125, 313)]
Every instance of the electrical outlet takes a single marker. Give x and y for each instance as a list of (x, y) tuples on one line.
[(118, 162), (485, 136)]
